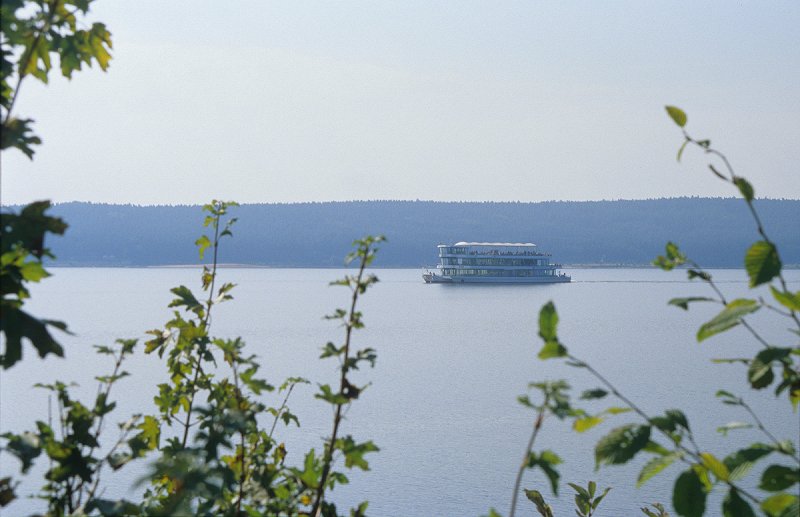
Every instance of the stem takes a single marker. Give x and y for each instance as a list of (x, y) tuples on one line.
[(50, 425), (93, 489), (205, 324), (317, 508), (763, 429), (242, 455), (753, 212), (695, 455), (724, 301), (99, 427), (187, 424), (536, 426), (280, 410), (774, 309)]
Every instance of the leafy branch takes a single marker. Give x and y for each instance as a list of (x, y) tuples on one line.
[(555, 402), (763, 265), (762, 261), (351, 320)]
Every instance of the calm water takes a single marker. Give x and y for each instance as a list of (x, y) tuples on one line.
[(452, 360)]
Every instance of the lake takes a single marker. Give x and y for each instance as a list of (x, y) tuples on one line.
[(451, 362)]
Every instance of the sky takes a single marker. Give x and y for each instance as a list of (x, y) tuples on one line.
[(290, 101)]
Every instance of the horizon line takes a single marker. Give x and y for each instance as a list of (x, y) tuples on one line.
[(387, 200)]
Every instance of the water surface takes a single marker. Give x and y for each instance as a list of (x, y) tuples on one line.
[(451, 362)]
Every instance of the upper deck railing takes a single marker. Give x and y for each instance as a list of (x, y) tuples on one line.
[(490, 249)]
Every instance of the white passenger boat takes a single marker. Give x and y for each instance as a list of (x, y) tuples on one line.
[(493, 263)]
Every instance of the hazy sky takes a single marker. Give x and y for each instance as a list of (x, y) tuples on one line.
[(447, 100)]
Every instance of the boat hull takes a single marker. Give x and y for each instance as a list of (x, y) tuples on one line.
[(439, 279)]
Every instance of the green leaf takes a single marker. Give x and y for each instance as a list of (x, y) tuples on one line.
[(779, 505), (18, 133), (548, 321), (677, 115), (18, 325), (621, 444), (600, 498), (541, 506), (740, 462), (658, 507), (762, 263), (551, 350), (760, 374), (728, 318), (673, 257), (329, 396), (580, 490), (150, 432), (702, 275), (773, 353), (202, 245), (655, 448), (778, 477), (185, 297), (730, 426), (735, 506), (785, 447), (26, 447), (788, 299), (689, 495), (672, 419), (596, 393), (546, 460), (715, 466), (654, 466), (584, 424), (33, 271), (7, 491), (677, 416), (354, 452), (119, 459), (728, 397), (683, 303), (745, 188)]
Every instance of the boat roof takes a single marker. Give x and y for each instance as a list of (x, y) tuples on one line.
[(494, 244)]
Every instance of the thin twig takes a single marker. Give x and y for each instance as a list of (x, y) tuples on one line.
[(694, 454), (205, 324), (763, 429), (536, 426), (317, 507), (724, 301), (99, 427), (759, 225), (242, 454), (280, 410), (93, 489)]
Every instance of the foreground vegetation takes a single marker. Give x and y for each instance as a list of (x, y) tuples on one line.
[(668, 438), (210, 438)]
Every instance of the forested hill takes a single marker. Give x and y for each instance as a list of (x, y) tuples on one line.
[(715, 232)]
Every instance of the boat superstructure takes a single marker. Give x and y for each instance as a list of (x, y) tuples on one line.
[(493, 262)]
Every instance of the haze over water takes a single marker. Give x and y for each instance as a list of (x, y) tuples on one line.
[(451, 362)]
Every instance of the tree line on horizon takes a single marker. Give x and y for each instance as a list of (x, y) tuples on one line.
[(627, 232)]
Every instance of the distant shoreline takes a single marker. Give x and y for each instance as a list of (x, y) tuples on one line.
[(262, 266)]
